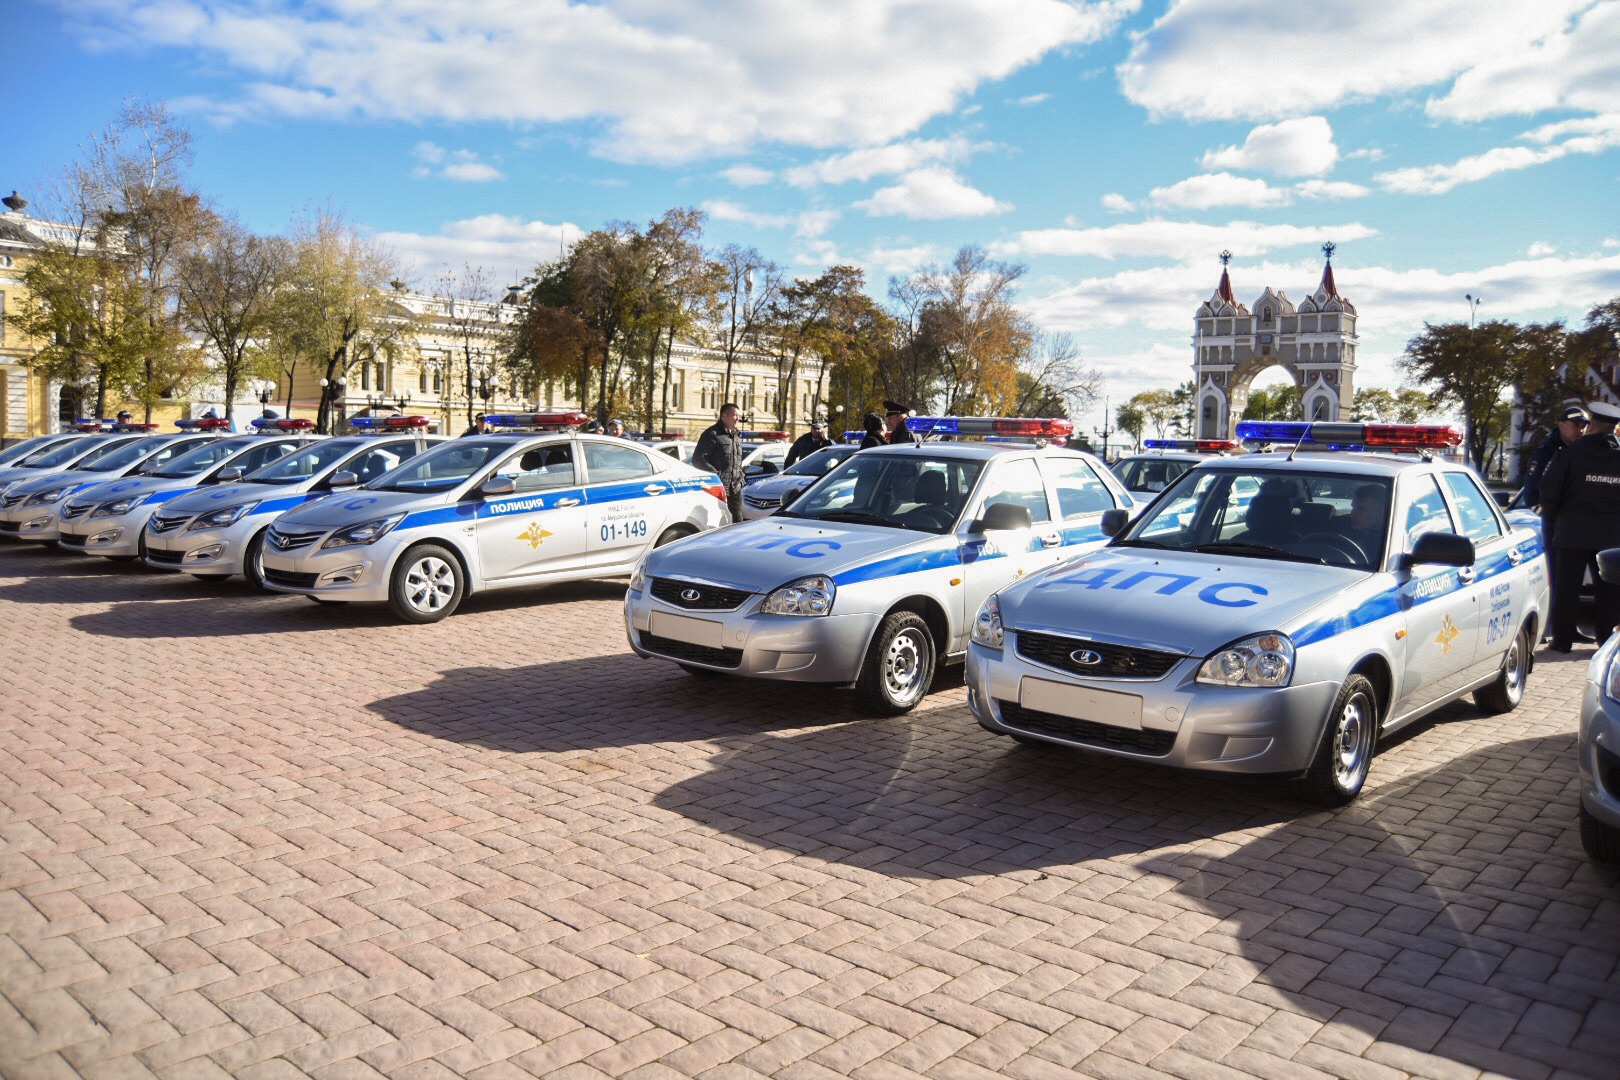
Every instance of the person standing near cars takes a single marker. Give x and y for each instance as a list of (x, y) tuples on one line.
[(1580, 506), (808, 443), (896, 414), (1571, 425), (876, 434), (719, 450), (615, 428), (480, 426)]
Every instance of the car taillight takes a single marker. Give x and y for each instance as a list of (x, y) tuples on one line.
[(717, 490)]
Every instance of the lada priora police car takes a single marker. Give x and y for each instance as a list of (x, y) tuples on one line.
[(110, 519), (218, 531), (764, 496), (1599, 743), (869, 578), (1165, 460), (1283, 634), (489, 512), (28, 511)]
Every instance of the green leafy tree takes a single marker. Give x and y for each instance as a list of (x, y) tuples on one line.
[(1131, 419), (227, 286), (1280, 402), (1160, 408)]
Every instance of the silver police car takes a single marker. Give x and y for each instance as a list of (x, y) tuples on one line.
[(869, 579), (1165, 460), (1281, 634), (63, 455), (490, 512), (765, 496), (1599, 743)]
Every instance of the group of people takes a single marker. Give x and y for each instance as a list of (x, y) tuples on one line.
[(1573, 477)]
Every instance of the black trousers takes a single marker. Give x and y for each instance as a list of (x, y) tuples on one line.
[(734, 502), (1569, 567)]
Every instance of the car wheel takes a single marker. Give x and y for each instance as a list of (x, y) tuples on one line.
[(899, 666), (1344, 754), (325, 601), (670, 535), (700, 672), (1507, 691), (253, 561), (1602, 842), (426, 584)]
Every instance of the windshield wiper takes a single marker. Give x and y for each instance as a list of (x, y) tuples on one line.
[(1143, 543), (855, 517), (1259, 551)]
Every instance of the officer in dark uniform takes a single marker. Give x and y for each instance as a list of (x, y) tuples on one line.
[(808, 443), (1580, 500), (875, 433), (1571, 426), (895, 417)]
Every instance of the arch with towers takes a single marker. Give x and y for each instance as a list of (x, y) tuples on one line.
[(1314, 342)]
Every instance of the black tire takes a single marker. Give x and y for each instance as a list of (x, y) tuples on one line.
[(253, 561), (1602, 842), (1344, 754), (1504, 695), (899, 666), (672, 534), (324, 601), (699, 672), (426, 585)]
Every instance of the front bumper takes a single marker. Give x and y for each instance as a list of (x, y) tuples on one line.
[(792, 648), (1600, 756), (358, 572), (32, 523), (113, 536), (1183, 724), (206, 551)]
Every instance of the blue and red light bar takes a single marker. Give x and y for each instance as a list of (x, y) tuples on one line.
[(1322, 433), (207, 424), (527, 420), (764, 436), (265, 425), (93, 425), (135, 427), (1052, 428), (1202, 446), (854, 436), (388, 423)]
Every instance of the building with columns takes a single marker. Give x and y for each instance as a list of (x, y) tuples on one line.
[(1315, 342)]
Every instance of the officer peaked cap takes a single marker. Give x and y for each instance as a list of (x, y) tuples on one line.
[(1574, 412), (1602, 410)]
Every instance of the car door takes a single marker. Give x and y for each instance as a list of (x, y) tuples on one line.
[(627, 501), (541, 527), (1438, 601), (994, 559), (1081, 499), (1498, 583)]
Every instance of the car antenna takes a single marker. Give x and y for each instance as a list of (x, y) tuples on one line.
[(1304, 431)]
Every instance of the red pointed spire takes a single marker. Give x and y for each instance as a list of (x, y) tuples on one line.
[(1224, 289), (1327, 286)]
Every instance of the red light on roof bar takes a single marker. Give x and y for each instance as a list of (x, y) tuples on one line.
[(213, 424), (1215, 446), (1426, 436), (1033, 428), (405, 421)]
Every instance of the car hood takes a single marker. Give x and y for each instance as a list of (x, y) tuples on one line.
[(225, 496), (761, 555), (776, 485), (1178, 602), (352, 507), (15, 473), (159, 489), (63, 478)]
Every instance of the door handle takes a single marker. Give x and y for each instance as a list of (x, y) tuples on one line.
[(1515, 556), (1465, 574), (1051, 540), (567, 502), (653, 489)]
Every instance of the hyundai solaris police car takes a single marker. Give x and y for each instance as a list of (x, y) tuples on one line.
[(218, 531), (870, 577), (110, 519), (28, 511), (488, 512), (65, 454), (764, 496), (29, 447), (1280, 634)]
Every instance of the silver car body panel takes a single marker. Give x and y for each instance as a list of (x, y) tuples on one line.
[(22, 517), (1599, 742), (71, 453)]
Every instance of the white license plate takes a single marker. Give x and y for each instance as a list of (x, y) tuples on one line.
[(704, 632), (1081, 703)]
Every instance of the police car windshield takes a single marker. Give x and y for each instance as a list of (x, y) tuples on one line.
[(203, 458), (59, 457), (306, 463), (28, 448), (1150, 473), (441, 468), (908, 491), (115, 455), (820, 461), (1315, 517)]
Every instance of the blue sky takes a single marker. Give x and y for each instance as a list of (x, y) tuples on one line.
[(1112, 147)]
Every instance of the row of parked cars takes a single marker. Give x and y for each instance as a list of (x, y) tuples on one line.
[(1269, 614)]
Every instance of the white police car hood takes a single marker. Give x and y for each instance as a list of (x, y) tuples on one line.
[(224, 496), (14, 473), (157, 489), (340, 508), (762, 555), (78, 480), (1179, 602)]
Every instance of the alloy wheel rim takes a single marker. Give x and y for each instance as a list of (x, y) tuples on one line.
[(902, 666), (1349, 738), (1513, 672), (429, 584)]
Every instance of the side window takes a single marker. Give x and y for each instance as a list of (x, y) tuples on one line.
[(1425, 510), (1020, 482), (607, 463), (1079, 490), (541, 467), (378, 460), (1479, 522), (260, 456)]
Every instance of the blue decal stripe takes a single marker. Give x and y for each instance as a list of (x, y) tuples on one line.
[(911, 563), (439, 515)]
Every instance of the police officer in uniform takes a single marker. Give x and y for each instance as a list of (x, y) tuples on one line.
[(1571, 426), (1580, 500), (719, 450), (808, 443), (895, 417)]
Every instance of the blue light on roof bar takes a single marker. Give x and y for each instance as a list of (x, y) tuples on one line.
[(1273, 430)]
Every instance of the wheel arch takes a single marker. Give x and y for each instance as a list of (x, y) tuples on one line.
[(931, 612), (1376, 669), (468, 582)]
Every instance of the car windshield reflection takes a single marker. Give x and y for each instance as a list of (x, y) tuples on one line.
[(910, 492)]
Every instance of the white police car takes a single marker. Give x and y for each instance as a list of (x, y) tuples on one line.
[(94, 440), (1353, 594), (1599, 744), (218, 531), (489, 512), (29, 447), (1165, 460), (110, 519), (871, 576), (28, 509), (764, 496)]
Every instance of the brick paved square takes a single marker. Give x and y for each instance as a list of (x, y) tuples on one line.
[(248, 835)]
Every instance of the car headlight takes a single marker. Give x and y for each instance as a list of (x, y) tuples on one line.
[(122, 506), (40, 498), (367, 532), (1262, 660), (807, 596), (638, 577), (221, 518), (987, 629), (1611, 679)]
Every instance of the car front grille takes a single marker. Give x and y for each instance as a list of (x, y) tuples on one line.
[(762, 502), (69, 540), (289, 578), (685, 650), (10, 526), (706, 598), (1087, 732), (1115, 661), (278, 540), (166, 558), (73, 511), (160, 524)]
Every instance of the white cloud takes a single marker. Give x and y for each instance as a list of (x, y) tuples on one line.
[(1299, 147), (747, 175), (509, 246), (1585, 135), (931, 193), (1032, 99), (901, 258), (1572, 68), (1367, 153), (1541, 249), (1199, 59), (806, 224), (471, 172), (1218, 189), (872, 161), (1330, 189), (670, 81), (460, 165), (1160, 239), (1115, 203)]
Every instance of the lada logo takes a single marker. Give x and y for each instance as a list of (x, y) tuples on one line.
[(691, 596), (1088, 657)]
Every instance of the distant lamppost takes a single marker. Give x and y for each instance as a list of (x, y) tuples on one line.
[(331, 394), (1473, 360)]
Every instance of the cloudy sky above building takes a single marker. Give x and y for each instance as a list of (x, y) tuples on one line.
[(1115, 147)]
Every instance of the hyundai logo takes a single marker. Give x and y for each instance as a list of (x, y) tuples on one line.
[(691, 596), (1088, 657), (283, 542)]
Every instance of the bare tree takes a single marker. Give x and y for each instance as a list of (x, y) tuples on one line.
[(227, 285), (1053, 380), (968, 318), (749, 283), (469, 304)]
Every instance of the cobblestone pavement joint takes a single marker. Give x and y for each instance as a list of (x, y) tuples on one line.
[(251, 836)]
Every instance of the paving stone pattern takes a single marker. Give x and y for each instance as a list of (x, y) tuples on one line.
[(252, 836)]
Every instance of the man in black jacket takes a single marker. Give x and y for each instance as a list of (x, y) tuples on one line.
[(1571, 426), (1580, 502), (719, 449), (808, 443), (875, 433), (896, 419)]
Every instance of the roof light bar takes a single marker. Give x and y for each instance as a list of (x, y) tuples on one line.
[(1202, 446), (990, 425), (764, 436), (657, 436), (93, 425), (206, 424), (527, 420), (135, 427), (854, 436), (385, 423), (266, 424), (1347, 436)]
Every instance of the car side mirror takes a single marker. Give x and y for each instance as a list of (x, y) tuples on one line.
[(793, 493), (1003, 517), (1115, 520), (228, 476), (498, 485), (1441, 549), (1609, 565), (342, 480)]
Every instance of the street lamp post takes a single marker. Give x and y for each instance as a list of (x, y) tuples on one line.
[(331, 394), (1473, 310)]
